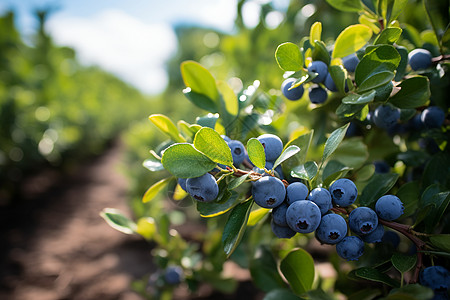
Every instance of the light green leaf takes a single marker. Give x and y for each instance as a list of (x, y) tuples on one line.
[(210, 143), (306, 171), (315, 33), (184, 161), (209, 120), (403, 263), (375, 80), (346, 5), (118, 221), (235, 226), (334, 140), (229, 98), (339, 75), (256, 153), (257, 215), (289, 57), (365, 98), (388, 36), (167, 126), (199, 79), (351, 39), (298, 268), (152, 165), (235, 182), (377, 186), (155, 189), (286, 154), (415, 92)]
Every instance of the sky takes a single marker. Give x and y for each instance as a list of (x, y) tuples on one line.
[(129, 38)]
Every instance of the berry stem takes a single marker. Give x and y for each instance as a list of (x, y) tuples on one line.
[(438, 59)]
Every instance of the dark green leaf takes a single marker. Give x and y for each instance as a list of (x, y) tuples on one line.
[(377, 186), (303, 142), (403, 263), (306, 171), (298, 268), (235, 227), (332, 171), (423, 213), (201, 100), (388, 36), (334, 140), (409, 194), (321, 53), (286, 154), (339, 75), (319, 294), (184, 161), (359, 99), (289, 57), (210, 143), (352, 152), (235, 182), (374, 275), (441, 241), (440, 202), (375, 80), (346, 5), (351, 39), (280, 294), (264, 270), (346, 111), (438, 15), (401, 69), (219, 207), (209, 120), (411, 292), (256, 153), (415, 91), (118, 221), (437, 170)]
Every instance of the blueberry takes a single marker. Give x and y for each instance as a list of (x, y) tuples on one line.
[(226, 138), (433, 117), (173, 275), (282, 232), (296, 191), (332, 229), (350, 62), (419, 59), (317, 95), (329, 83), (320, 68), (182, 183), (350, 248), (375, 236), (381, 167), (343, 192), (363, 220), (273, 146), (279, 214), (416, 122), (389, 207), (268, 192), (203, 188), (392, 238), (386, 116), (237, 151), (436, 277), (322, 198), (303, 216), (292, 94)]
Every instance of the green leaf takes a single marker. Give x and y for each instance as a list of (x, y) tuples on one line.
[(440, 202), (286, 154), (264, 270), (377, 186), (167, 126), (209, 120), (365, 98), (347, 111), (403, 263), (256, 153), (319, 294), (441, 241), (235, 182), (303, 142), (184, 161), (306, 171), (289, 57), (257, 215), (334, 140), (410, 292), (229, 97), (346, 5), (219, 207), (209, 142), (351, 39), (278, 294), (118, 221), (339, 75), (388, 36), (376, 80), (352, 152), (423, 213), (401, 69), (321, 53), (199, 79), (202, 101), (146, 227), (155, 189), (374, 275), (298, 268), (315, 33), (438, 15), (398, 8), (235, 226), (152, 165), (415, 92), (409, 194), (332, 171)]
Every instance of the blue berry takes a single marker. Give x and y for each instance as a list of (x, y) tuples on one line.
[(268, 192), (375, 236), (320, 68), (362, 220), (381, 166), (433, 117), (293, 94), (182, 183), (389, 207), (317, 95), (419, 59), (273, 146), (203, 188), (226, 138), (350, 62), (350, 248), (329, 83), (279, 214), (343, 192), (303, 216), (282, 232), (296, 191), (436, 277), (173, 275), (237, 151), (392, 238), (332, 229), (386, 116), (322, 198)]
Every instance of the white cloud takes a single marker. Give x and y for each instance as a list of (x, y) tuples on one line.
[(121, 44)]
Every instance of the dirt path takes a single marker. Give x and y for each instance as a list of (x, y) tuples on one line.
[(69, 252)]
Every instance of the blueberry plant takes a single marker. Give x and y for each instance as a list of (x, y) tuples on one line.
[(369, 181)]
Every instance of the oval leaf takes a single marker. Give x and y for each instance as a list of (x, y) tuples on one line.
[(307, 171), (235, 227), (378, 185), (257, 215), (315, 33), (167, 126), (256, 153), (334, 140), (298, 268), (376, 80), (199, 79), (184, 161), (374, 275), (210, 143), (229, 98), (414, 92), (287, 153), (346, 5), (155, 189), (359, 99), (217, 208), (388, 36), (118, 221), (289, 57), (351, 39), (403, 263), (441, 241)]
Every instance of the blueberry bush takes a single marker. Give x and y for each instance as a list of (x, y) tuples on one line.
[(366, 177)]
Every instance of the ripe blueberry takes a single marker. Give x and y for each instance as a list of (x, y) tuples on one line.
[(350, 62), (350, 248), (436, 277), (381, 166), (226, 138), (389, 207), (203, 188), (343, 192), (292, 94), (303, 216), (237, 151), (320, 68), (362, 220), (332, 229), (322, 198), (273, 146), (279, 214), (173, 275), (329, 83), (317, 95), (296, 191), (282, 232), (375, 236), (182, 183), (268, 192), (392, 238), (386, 116), (419, 59), (433, 117)]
